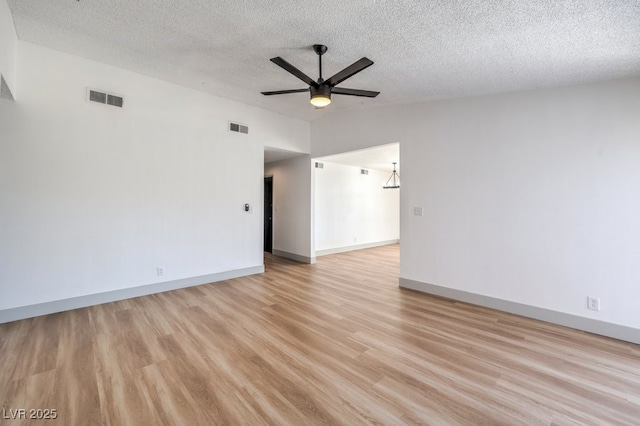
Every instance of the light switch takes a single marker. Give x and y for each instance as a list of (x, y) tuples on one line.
[(417, 211)]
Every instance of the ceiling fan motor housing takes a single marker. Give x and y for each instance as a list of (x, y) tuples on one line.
[(321, 90)]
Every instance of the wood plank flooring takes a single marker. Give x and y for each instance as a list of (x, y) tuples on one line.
[(332, 343)]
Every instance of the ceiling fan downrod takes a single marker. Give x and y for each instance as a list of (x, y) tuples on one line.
[(320, 50)]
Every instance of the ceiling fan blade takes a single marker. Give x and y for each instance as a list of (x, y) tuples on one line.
[(283, 92), (352, 69), (354, 92), (293, 70)]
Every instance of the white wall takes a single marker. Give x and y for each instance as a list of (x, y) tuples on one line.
[(529, 197), (8, 42), (94, 198), (352, 209), (292, 208)]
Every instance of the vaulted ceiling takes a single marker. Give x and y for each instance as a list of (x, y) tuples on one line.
[(423, 50)]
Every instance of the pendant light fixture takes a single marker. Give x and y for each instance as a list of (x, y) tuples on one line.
[(394, 179)]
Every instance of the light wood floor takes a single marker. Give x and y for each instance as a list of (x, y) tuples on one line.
[(337, 343)]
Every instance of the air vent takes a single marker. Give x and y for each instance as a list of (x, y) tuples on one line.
[(240, 128), (319, 165), (97, 97), (364, 171), (104, 98), (115, 100)]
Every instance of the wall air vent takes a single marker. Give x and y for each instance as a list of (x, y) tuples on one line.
[(364, 171), (239, 128), (104, 98), (115, 100), (319, 165)]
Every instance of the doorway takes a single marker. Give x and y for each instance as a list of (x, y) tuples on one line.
[(352, 208), (268, 214)]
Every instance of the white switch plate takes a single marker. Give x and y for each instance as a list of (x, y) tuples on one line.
[(417, 211)]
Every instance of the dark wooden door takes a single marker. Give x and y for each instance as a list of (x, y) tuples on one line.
[(268, 214)]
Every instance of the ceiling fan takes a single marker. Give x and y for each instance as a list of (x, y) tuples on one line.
[(322, 90)]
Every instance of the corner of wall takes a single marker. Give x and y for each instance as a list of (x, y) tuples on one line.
[(5, 91), (8, 52)]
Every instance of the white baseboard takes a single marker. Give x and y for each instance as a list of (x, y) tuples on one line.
[(293, 256), (355, 247), (30, 311), (590, 325)]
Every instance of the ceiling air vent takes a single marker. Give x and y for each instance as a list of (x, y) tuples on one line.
[(240, 128), (104, 98), (319, 165)]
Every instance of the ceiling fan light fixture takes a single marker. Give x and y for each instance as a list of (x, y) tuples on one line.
[(320, 96), (320, 101)]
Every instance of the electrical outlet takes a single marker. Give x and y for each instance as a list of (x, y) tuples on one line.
[(160, 271), (593, 303)]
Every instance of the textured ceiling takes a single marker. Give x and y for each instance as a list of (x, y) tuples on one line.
[(378, 158), (422, 50), (275, 154)]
